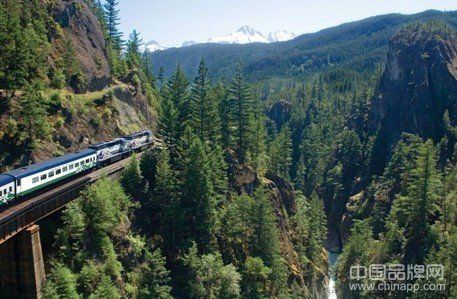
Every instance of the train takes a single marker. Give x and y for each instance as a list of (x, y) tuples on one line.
[(22, 182)]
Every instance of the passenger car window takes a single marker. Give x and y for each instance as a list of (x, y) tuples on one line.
[(0, 192), (77, 165), (19, 182), (87, 160), (51, 174), (65, 169), (11, 189), (71, 166), (58, 171), (35, 180), (43, 177)]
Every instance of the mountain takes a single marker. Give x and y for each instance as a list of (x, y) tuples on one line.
[(244, 35), (360, 45), (189, 43), (153, 46), (280, 36)]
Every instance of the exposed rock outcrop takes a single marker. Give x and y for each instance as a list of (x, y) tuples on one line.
[(418, 85), (80, 27), (280, 112)]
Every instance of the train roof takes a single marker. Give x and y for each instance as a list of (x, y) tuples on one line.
[(138, 134), (5, 179), (41, 166), (103, 145)]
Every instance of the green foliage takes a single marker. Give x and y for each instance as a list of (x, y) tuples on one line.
[(61, 283), (24, 43), (241, 109), (280, 153), (131, 179), (154, 277), (34, 105), (203, 107), (208, 277)]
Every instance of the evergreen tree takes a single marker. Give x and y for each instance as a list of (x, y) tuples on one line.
[(112, 24), (177, 92), (154, 278), (198, 202), (416, 204), (34, 104), (133, 50), (131, 179), (280, 153), (208, 277), (203, 107), (161, 76), (241, 108)]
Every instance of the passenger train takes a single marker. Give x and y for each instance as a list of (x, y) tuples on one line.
[(18, 183)]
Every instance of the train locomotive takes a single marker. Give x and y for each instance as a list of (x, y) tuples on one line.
[(21, 182)]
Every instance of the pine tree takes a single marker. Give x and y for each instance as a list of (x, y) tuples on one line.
[(203, 107), (112, 24), (208, 277), (133, 50), (416, 204), (131, 179), (198, 202), (241, 108), (154, 277), (34, 104), (280, 153), (161, 76), (225, 116), (177, 92)]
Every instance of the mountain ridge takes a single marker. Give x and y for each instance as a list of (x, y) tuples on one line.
[(359, 44)]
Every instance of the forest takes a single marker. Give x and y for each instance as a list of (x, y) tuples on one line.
[(256, 181)]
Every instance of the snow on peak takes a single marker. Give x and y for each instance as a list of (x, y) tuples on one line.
[(247, 34), (280, 36), (153, 46), (189, 43)]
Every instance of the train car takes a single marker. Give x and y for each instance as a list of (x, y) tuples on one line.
[(139, 141), (111, 151), (33, 177), (7, 189)]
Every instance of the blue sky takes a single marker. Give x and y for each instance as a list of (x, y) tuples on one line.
[(171, 22)]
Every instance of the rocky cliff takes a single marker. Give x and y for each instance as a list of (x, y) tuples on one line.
[(77, 26), (418, 85), (93, 107)]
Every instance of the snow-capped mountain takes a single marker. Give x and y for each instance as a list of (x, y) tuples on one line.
[(280, 36), (153, 46), (189, 43), (244, 35)]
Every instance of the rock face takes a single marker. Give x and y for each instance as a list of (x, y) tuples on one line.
[(418, 85), (81, 28)]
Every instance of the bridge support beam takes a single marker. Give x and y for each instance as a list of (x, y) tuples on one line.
[(21, 265)]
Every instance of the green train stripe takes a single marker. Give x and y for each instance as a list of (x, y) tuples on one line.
[(57, 179)]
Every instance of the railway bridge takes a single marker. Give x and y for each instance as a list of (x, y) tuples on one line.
[(22, 273)]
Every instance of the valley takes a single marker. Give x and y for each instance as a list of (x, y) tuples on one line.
[(282, 161)]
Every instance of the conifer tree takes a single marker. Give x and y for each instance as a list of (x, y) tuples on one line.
[(133, 50), (34, 104), (198, 202), (131, 179), (155, 279), (241, 108), (280, 153), (203, 107), (176, 92), (161, 76), (112, 23), (416, 204)]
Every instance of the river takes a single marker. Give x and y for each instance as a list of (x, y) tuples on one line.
[(332, 260)]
